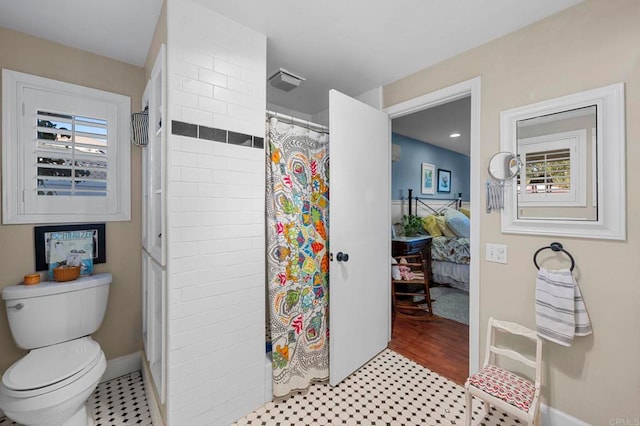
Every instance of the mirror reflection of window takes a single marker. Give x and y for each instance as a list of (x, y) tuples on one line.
[(554, 172), (548, 172), (559, 173)]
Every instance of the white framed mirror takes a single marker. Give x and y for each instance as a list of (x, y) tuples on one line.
[(572, 177)]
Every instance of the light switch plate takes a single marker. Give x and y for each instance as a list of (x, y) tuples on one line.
[(496, 253)]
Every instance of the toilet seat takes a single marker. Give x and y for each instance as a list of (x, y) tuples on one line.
[(46, 369)]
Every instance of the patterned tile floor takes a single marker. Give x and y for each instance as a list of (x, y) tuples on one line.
[(389, 390), (118, 402)]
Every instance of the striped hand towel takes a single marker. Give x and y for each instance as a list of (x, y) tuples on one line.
[(560, 311)]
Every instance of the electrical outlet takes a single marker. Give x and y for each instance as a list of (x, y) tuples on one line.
[(496, 253)]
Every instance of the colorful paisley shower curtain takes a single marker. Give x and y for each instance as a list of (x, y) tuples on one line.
[(297, 202)]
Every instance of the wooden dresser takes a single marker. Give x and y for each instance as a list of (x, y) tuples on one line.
[(401, 246)]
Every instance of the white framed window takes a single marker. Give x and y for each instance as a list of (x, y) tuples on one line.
[(65, 152), (553, 170)]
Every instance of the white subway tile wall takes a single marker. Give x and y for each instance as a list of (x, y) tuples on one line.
[(215, 206)]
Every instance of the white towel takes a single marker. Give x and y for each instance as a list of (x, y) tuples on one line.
[(560, 311), (495, 195)]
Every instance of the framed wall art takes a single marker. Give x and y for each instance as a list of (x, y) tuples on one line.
[(43, 235), (444, 180), (428, 178)]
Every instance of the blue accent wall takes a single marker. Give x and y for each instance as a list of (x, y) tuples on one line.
[(406, 173)]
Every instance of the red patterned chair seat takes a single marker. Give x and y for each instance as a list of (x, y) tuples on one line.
[(504, 385)]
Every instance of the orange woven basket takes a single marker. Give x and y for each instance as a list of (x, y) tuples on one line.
[(66, 273), (31, 279)]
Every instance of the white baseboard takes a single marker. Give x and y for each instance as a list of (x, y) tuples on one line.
[(123, 365), (550, 416)]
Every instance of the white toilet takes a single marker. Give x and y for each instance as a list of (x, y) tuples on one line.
[(51, 384)]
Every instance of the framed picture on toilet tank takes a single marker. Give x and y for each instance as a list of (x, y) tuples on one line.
[(42, 237)]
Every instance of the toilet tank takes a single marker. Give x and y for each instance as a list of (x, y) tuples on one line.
[(51, 312)]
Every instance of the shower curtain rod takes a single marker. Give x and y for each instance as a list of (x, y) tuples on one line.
[(304, 123)]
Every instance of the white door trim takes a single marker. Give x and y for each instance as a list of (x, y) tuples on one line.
[(460, 90)]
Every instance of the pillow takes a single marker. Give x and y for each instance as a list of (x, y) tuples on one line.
[(457, 222), (465, 212), (444, 227), (431, 226)]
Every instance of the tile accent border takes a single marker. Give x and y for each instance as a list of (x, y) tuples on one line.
[(180, 128)]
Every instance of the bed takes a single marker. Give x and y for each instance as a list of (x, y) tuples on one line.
[(449, 227), (450, 261)]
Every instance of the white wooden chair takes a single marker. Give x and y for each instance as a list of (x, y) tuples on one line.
[(501, 388)]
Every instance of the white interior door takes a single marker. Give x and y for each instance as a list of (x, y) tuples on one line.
[(359, 227)]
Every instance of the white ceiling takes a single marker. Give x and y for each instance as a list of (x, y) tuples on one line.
[(349, 45), (435, 125), (118, 29), (357, 45)]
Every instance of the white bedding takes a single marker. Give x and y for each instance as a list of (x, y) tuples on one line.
[(454, 274)]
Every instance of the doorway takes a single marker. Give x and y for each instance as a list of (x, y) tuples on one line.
[(471, 89)]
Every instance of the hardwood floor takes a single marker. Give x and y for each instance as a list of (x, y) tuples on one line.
[(441, 345)]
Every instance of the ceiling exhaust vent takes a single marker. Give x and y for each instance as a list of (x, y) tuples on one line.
[(285, 80)]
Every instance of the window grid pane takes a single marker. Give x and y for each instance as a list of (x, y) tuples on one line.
[(71, 146), (548, 172)]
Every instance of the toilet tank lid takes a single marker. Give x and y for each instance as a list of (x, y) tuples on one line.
[(46, 288)]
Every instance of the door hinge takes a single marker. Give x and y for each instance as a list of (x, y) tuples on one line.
[(23, 110)]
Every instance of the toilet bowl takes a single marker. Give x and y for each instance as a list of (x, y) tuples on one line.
[(51, 384)]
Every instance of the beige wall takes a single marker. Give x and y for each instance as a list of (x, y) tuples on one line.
[(159, 37), (593, 44), (120, 333)]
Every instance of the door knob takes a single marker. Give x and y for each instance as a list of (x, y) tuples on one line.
[(342, 257)]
